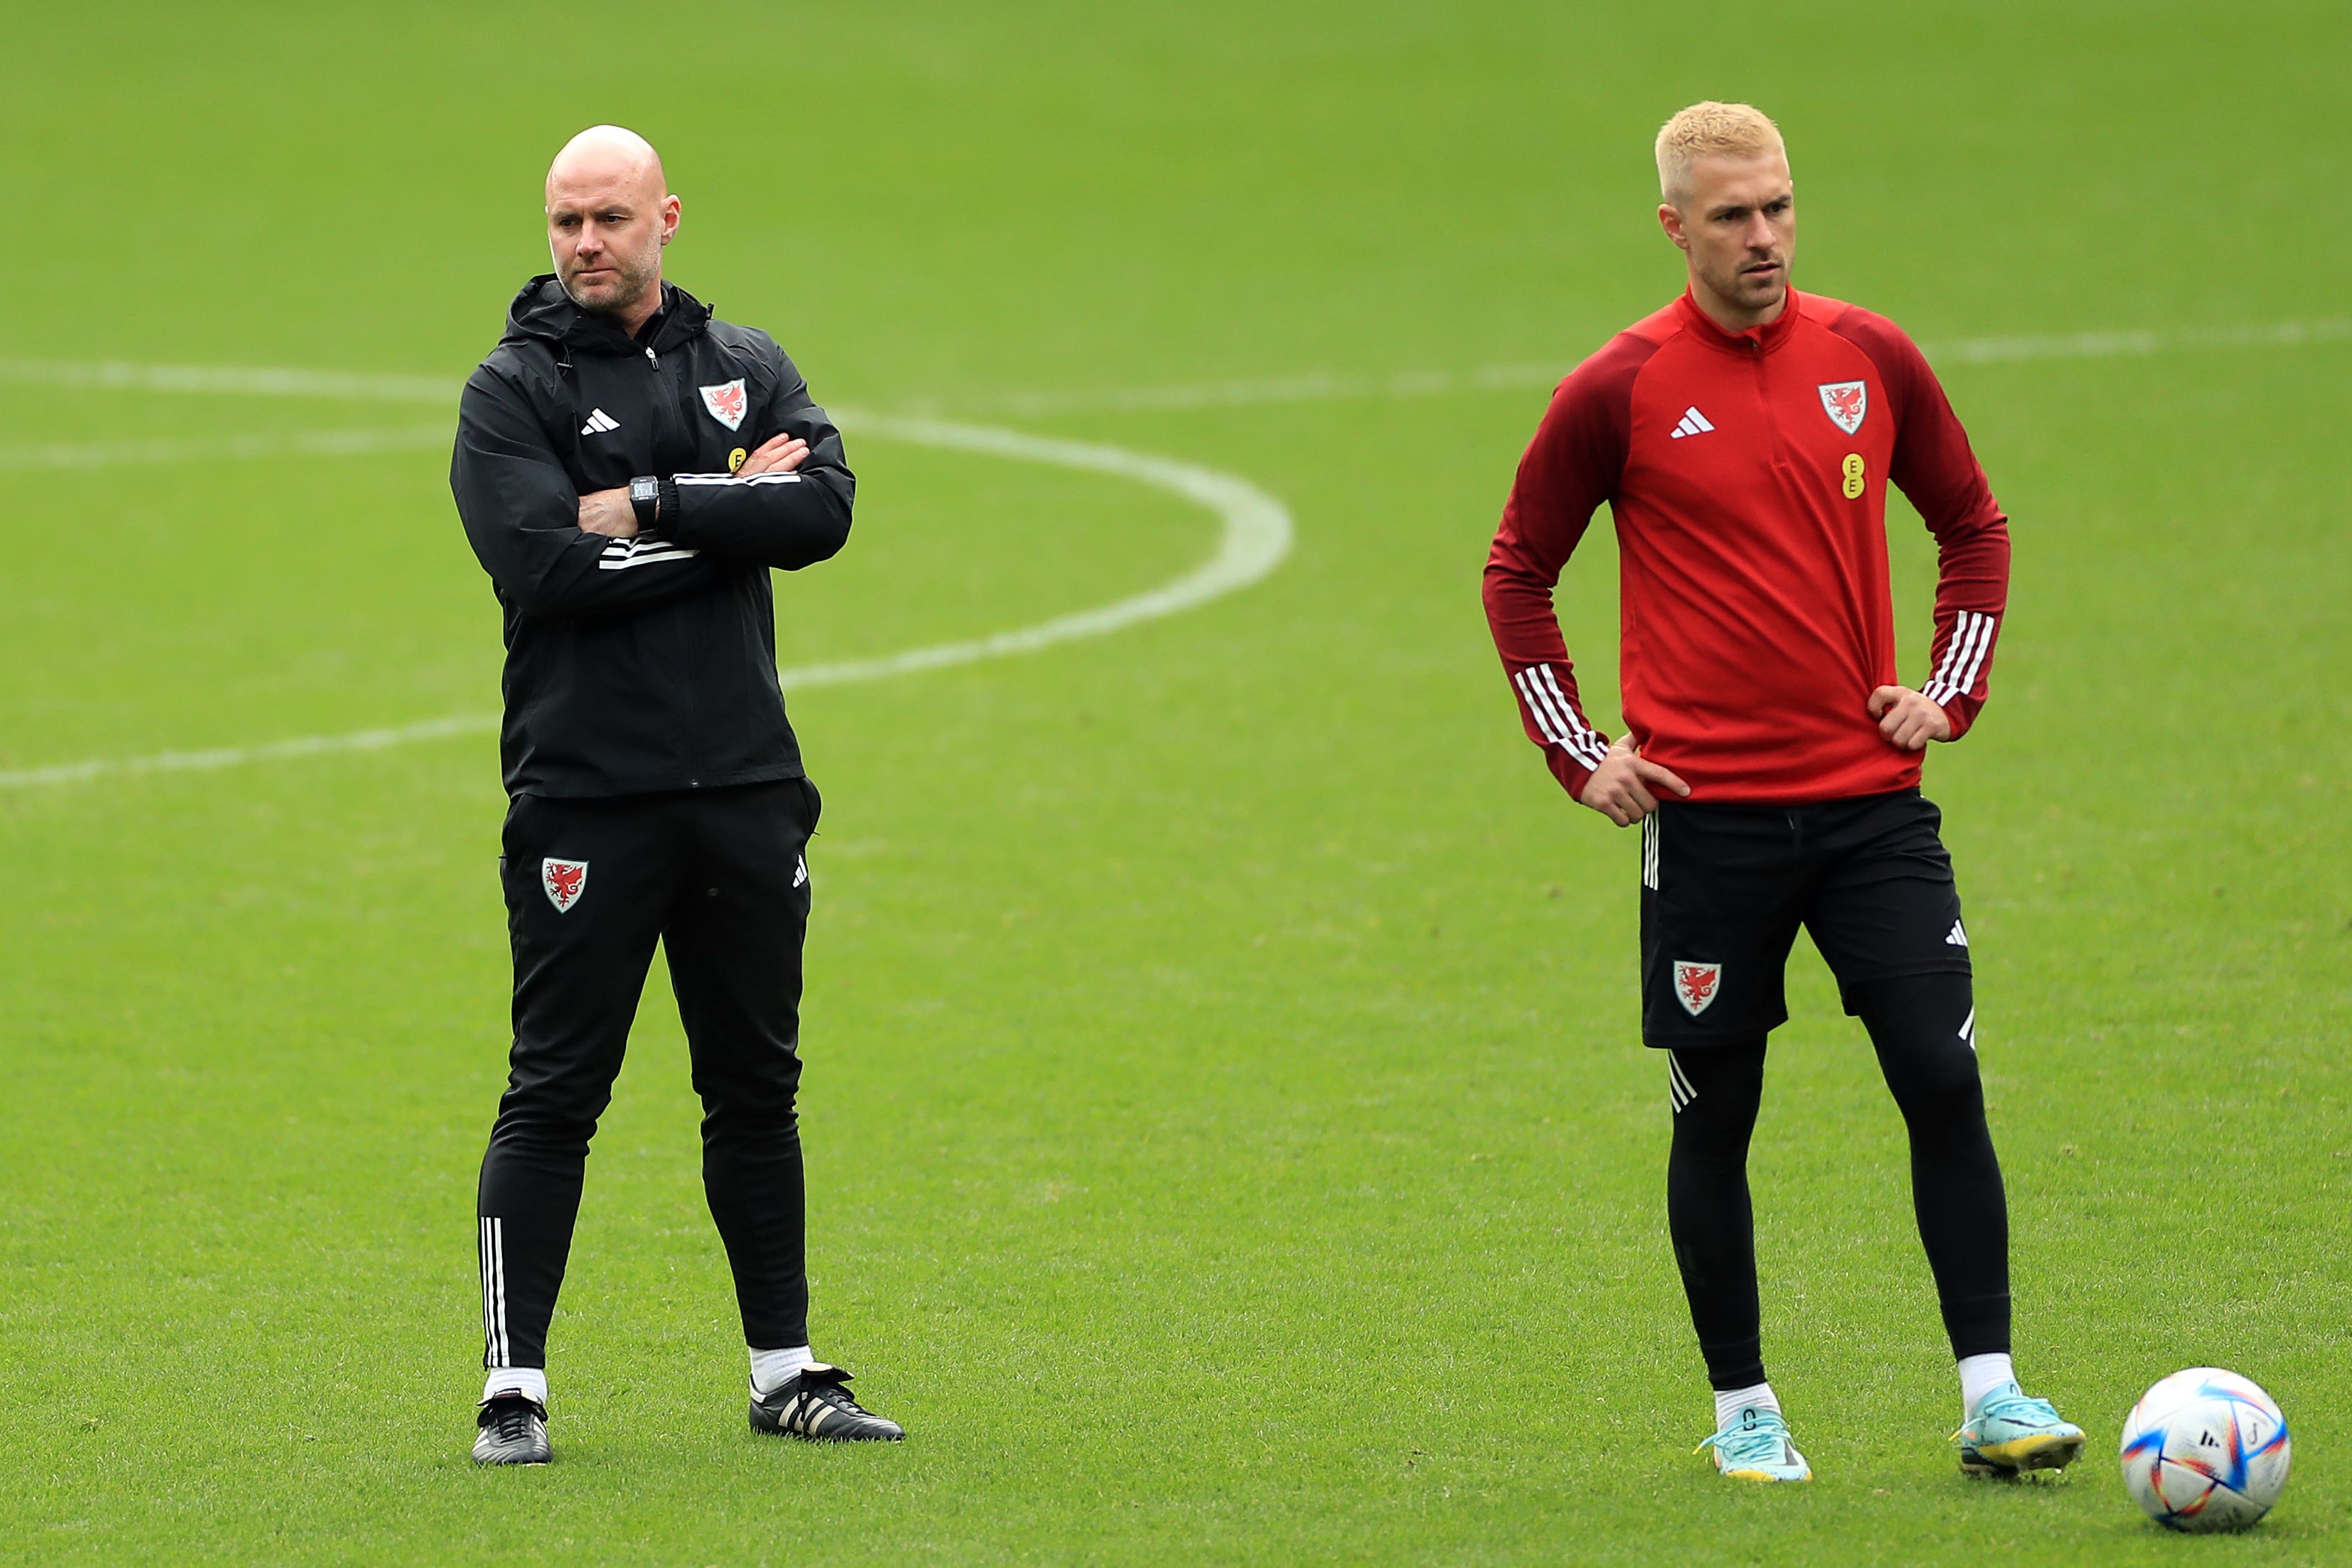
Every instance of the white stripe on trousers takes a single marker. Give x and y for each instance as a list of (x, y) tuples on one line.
[(496, 1347), (1650, 851), (1678, 1086)]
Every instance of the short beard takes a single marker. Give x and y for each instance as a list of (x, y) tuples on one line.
[(635, 282), (1734, 288)]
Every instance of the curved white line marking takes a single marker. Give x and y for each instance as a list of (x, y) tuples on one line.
[(1257, 536), (1257, 527)]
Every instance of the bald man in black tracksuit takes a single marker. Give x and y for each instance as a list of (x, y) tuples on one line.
[(628, 469)]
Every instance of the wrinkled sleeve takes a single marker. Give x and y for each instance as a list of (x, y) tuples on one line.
[(1572, 467), (784, 520), (522, 517), (1937, 470)]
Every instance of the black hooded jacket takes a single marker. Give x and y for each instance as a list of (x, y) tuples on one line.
[(644, 664)]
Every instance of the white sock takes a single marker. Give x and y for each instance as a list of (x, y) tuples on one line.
[(527, 1381), (1980, 1375), (771, 1367), (1730, 1402)]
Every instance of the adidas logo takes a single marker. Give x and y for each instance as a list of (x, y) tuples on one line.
[(1958, 938), (800, 873), (599, 422), (1693, 424)]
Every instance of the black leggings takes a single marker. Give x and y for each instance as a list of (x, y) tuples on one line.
[(1923, 1028)]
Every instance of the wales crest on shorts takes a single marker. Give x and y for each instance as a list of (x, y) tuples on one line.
[(1697, 985)]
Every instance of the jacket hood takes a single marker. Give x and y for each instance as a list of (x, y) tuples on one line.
[(541, 309)]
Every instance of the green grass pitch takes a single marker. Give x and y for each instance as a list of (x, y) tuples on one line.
[(1228, 1137)]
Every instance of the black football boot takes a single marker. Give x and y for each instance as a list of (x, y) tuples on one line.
[(514, 1431), (814, 1404)]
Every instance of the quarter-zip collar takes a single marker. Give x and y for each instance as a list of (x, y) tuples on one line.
[(1748, 344), (541, 309)]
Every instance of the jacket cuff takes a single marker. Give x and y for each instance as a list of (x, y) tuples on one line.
[(1573, 776), (1961, 713)]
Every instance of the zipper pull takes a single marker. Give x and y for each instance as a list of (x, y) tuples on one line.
[(653, 358)]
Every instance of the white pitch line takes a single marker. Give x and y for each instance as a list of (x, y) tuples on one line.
[(1317, 387), (236, 756), (113, 375), (2118, 345), (196, 449), (1257, 536), (1306, 388)]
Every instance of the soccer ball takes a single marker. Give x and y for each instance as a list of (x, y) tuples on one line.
[(2205, 1449)]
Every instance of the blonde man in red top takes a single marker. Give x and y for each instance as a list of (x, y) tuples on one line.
[(1743, 438)]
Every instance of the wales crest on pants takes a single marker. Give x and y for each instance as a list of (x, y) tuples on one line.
[(564, 882)]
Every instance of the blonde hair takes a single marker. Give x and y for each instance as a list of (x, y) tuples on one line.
[(1711, 130)]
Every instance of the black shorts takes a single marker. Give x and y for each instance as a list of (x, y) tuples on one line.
[(1724, 888)]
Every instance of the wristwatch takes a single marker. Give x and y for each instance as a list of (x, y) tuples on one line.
[(644, 499)]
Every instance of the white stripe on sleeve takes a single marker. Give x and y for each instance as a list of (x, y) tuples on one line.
[(1972, 634), (1951, 655), (1541, 706), (1966, 682), (642, 551), (1556, 716), (1586, 744)]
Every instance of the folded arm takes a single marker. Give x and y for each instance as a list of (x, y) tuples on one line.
[(778, 516), (523, 518)]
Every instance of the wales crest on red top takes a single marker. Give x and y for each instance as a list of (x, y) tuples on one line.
[(1697, 985), (1846, 404), (564, 881), (726, 402)]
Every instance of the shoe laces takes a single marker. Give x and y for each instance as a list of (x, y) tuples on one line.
[(2011, 1404), (1762, 1440), (509, 1419), (839, 1397)]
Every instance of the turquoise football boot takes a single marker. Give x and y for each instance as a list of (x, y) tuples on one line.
[(1756, 1448), (2010, 1434)]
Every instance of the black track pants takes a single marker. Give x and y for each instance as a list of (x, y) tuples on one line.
[(1923, 1028), (720, 878)]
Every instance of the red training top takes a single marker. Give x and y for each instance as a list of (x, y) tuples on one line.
[(1747, 474)]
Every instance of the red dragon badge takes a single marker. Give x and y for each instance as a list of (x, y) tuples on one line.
[(726, 402), (1697, 985), (1847, 402), (564, 881)]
